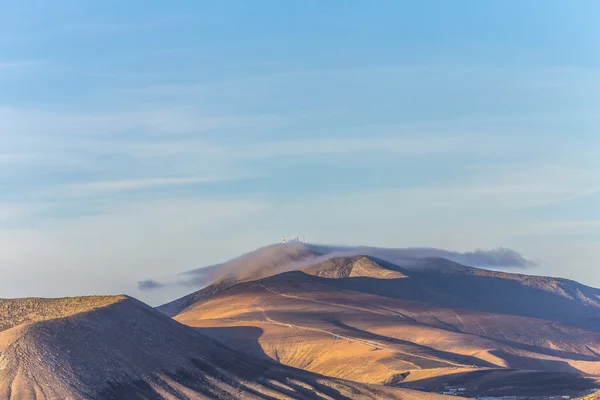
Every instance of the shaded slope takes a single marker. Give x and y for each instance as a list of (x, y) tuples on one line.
[(443, 283)]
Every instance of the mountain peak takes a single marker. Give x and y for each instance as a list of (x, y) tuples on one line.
[(355, 266)]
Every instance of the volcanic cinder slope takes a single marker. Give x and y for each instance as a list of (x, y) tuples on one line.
[(116, 347), (421, 324)]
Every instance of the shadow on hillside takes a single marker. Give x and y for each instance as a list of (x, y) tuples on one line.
[(536, 364), (476, 292), (418, 350), (238, 338), (236, 372), (507, 382), (549, 352)]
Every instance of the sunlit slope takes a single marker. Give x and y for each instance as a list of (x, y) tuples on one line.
[(19, 311), (396, 325), (117, 347), (431, 280)]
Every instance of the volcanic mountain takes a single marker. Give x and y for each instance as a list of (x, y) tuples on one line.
[(116, 347), (423, 323)]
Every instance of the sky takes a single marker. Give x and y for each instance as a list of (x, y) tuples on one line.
[(145, 138)]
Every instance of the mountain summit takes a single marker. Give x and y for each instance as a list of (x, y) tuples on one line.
[(405, 321)]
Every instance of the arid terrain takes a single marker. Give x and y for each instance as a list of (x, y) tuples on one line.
[(119, 348), (423, 324), (291, 322)]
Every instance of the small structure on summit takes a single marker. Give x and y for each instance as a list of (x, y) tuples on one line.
[(296, 239)]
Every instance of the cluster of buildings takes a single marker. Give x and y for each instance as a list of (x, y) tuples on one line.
[(459, 391), (297, 239), (453, 390)]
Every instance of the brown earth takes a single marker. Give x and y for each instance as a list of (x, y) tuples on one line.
[(119, 348), (422, 326)]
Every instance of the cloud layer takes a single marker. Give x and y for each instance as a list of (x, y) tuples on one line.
[(280, 258), (149, 284)]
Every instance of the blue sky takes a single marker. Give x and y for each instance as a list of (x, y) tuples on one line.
[(145, 138)]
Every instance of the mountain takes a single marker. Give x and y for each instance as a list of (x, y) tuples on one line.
[(116, 347), (351, 267), (266, 261), (421, 323)]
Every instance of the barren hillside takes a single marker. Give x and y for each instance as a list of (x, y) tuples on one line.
[(417, 326), (117, 348)]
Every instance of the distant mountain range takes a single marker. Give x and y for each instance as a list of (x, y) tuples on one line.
[(406, 321), (295, 321)]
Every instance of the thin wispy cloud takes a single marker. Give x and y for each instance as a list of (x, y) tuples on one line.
[(134, 184), (537, 77), (14, 158), (407, 144), (143, 121), (149, 284), (16, 211), (139, 187), (212, 138), (18, 64), (112, 27), (480, 195), (278, 258)]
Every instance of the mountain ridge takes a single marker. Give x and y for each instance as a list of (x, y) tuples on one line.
[(463, 277), (32, 309), (431, 318)]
